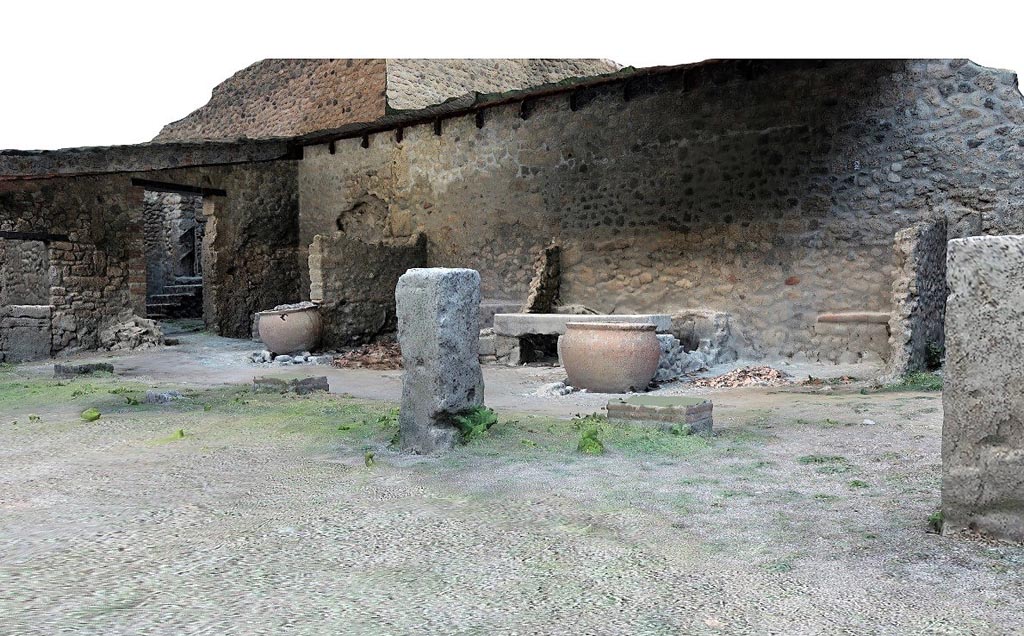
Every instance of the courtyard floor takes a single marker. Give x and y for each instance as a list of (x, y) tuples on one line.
[(227, 512)]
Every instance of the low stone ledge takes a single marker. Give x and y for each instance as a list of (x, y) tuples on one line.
[(31, 311), (871, 317)]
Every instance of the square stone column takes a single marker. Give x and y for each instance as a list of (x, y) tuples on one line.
[(438, 330), (983, 393)]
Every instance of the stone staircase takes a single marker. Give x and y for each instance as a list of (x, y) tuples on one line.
[(183, 299)]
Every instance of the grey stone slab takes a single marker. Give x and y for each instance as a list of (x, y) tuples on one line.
[(72, 370), (438, 331), (31, 311), (983, 394), (517, 325)]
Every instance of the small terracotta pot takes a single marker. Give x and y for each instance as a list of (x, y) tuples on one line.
[(286, 331), (610, 357)]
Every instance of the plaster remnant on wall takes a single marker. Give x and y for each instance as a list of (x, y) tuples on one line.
[(919, 298)]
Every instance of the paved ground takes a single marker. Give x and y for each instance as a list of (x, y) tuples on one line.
[(797, 518)]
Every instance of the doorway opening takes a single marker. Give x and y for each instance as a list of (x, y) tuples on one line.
[(174, 226)]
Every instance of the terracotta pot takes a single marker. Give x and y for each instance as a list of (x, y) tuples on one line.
[(610, 357), (285, 331)]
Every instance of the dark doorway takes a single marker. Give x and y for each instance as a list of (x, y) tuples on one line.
[(174, 228)]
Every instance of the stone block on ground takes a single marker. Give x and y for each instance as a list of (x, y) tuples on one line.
[(161, 397), (299, 386), (438, 332), (75, 370), (690, 414), (983, 385), (26, 333)]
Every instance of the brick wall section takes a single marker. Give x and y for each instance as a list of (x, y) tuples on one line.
[(414, 84), (771, 191), (280, 98)]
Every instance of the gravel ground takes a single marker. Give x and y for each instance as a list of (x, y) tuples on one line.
[(796, 518)]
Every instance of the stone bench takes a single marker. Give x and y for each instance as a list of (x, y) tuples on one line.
[(517, 336), (518, 325)]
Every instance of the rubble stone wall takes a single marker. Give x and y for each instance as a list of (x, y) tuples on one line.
[(768, 190), (918, 298), (354, 283)]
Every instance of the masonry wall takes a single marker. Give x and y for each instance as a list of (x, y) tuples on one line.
[(771, 191), (250, 243), (97, 275), (90, 273)]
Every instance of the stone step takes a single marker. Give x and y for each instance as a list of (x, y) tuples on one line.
[(169, 298), (183, 289), (188, 280)]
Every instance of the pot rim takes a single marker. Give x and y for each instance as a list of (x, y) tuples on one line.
[(284, 312), (612, 326)]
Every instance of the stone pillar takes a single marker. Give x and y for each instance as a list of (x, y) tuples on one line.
[(438, 314), (983, 394)]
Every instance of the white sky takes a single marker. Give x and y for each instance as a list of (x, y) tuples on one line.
[(102, 73)]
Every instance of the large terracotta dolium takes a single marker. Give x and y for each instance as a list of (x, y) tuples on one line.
[(610, 357), (286, 331)]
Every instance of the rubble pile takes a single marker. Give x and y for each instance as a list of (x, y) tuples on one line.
[(305, 357), (380, 355), (675, 361), (130, 333), (747, 376)]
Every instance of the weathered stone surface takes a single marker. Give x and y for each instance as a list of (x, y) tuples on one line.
[(517, 325), (161, 397), (354, 283), (489, 308), (690, 415), (73, 370), (438, 331), (543, 295), (983, 393), (708, 332), (916, 332)]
